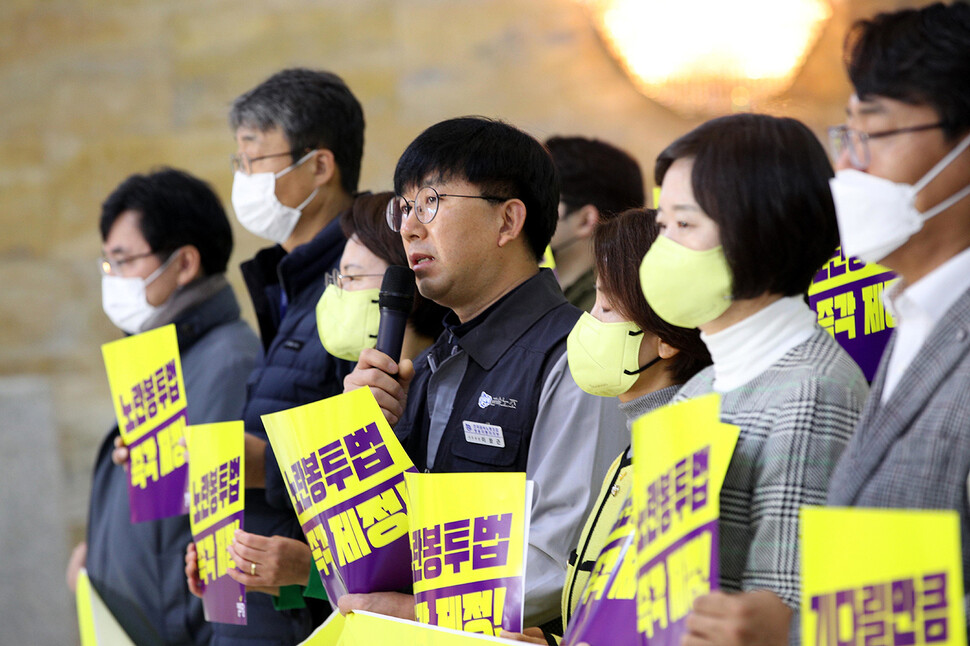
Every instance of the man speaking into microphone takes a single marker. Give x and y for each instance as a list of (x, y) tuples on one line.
[(476, 206)]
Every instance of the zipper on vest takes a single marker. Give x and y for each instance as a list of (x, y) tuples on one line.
[(589, 537)]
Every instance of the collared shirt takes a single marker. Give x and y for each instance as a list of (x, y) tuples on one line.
[(448, 364), (917, 309), (508, 368)]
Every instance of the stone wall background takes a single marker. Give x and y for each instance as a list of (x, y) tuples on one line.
[(93, 90)]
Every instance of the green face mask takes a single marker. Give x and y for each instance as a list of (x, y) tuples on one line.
[(604, 358), (686, 288), (347, 321)]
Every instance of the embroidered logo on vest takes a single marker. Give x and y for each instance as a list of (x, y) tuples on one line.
[(485, 400)]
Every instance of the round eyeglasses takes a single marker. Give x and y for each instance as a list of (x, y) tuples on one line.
[(842, 138), (344, 281), (112, 267), (241, 162), (425, 206)]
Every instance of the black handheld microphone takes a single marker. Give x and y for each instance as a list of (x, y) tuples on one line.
[(395, 301)]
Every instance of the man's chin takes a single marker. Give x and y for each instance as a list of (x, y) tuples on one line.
[(426, 288)]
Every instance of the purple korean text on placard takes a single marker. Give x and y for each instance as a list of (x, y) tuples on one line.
[(361, 545), (223, 599), (607, 611), (215, 490), (467, 545), (151, 397), (670, 582), (854, 313), (159, 473), (483, 607), (912, 610)]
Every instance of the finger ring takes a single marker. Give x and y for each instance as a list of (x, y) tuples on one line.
[(252, 569)]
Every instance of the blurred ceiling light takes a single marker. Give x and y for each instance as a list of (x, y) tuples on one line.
[(703, 57)]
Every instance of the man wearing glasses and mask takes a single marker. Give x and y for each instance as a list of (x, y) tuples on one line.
[(477, 204), (902, 197), (166, 242), (299, 138)]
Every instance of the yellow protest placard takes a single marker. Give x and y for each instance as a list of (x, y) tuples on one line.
[(217, 477), (328, 633), (343, 469), (148, 394), (847, 296), (469, 534), (96, 624), (681, 453), (874, 577), (548, 260), (367, 629), (608, 602), (840, 271), (145, 377)]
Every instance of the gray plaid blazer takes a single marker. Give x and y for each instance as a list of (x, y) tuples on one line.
[(914, 450), (795, 419)]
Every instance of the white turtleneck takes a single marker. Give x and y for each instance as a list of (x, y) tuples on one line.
[(748, 348)]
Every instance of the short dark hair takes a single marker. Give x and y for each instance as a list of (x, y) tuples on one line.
[(176, 209), (620, 243), (765, 182), (595, 172), (495, 156), (918, 56), (367, 221), (314, 109)]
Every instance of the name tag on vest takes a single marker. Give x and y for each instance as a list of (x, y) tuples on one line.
[(486, 434)]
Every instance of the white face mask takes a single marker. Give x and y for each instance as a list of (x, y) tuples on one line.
[(259, 210), (877, 216), (124, 301)]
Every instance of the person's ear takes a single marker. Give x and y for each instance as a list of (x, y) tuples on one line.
[(512, 221), (665, 350), (325, 169), (586, 220), (189, 264)]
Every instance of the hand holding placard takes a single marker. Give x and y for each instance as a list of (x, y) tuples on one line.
[(344, 468), (216, 478)]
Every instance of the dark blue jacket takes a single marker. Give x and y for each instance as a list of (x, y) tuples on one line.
[(512, 346), (138, 569), (285, 288)]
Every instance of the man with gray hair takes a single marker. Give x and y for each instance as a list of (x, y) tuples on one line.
[(300, 138)]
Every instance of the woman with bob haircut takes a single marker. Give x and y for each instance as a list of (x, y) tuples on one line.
[(621, 349), (747, 219)]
